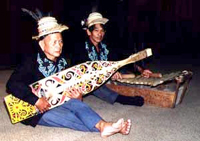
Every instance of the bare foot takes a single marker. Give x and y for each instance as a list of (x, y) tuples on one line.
[(126, 127), (112, 128)]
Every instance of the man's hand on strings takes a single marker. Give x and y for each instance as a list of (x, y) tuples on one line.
[(74, 93)]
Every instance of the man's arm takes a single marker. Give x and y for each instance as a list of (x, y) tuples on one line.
[(147, 73)]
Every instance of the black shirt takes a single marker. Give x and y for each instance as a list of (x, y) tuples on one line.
[(25, 74)]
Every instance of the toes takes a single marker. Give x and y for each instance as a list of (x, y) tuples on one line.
[(129, 122), (128, 128)]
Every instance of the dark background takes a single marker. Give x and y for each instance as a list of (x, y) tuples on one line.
[(169, 27)]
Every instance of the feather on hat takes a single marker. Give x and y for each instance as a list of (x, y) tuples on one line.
[(46, 25)]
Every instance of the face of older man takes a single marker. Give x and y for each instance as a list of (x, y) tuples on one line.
[(97, 35), (52, 45)]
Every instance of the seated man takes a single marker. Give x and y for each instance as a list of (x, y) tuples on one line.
[(73, 114), (95, 49)]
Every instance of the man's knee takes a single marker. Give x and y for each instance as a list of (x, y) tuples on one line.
[(77, 103)]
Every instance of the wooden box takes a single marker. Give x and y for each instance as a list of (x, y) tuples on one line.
[(168, 94)]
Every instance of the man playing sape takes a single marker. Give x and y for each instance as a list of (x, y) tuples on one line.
[(95, 49), (73, 114)]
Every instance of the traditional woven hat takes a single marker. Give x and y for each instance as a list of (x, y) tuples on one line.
[(95, 18), (47, 25)]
